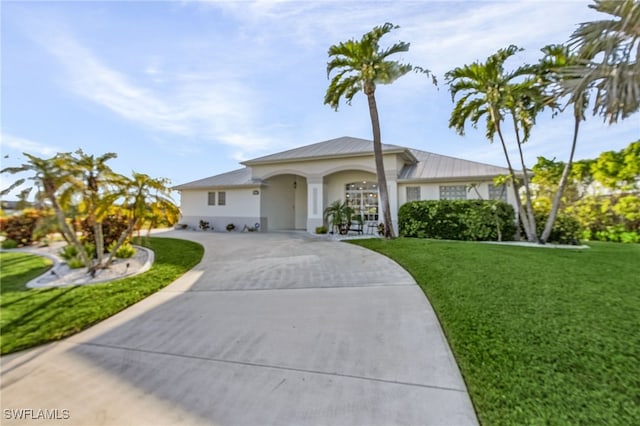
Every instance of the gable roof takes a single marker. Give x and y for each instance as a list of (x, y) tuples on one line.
[(239, 177), (340, 147), (432, 166), (421, 165)]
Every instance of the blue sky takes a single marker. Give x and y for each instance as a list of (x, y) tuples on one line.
[(186, 90)]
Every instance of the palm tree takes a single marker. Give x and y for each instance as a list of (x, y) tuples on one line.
[(551, 72), (143, 196), (91, 180), (340, 216), (361, 65), (488, 90), (50, 175), (612, 50)]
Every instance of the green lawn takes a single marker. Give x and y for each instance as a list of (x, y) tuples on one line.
[(542, 336), (29, 317)]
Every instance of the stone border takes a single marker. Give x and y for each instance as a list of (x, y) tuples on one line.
[(69, 277)]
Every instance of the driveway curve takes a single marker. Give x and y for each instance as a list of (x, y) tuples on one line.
[(269, 329)]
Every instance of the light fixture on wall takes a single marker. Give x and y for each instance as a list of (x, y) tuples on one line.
[(295, 184)]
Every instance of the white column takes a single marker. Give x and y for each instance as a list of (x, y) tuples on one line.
[(315, 202)]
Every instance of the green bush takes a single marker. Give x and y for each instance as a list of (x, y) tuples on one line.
[(70, 252), (9, 244), (472, 220), (615, 234), (566, 228), (614, 218), (75, 263), (125, 251), (321, 230)]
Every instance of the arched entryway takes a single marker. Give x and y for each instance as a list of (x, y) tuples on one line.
[(284, 202)]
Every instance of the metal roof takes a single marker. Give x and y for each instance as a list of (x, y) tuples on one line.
[(432, 166), (420, 166), (340, 147), (240, 177)]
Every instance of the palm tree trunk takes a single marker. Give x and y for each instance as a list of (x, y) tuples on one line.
[(521, 212), (99, 239), (123, 237), (382, 177), (533, 237), (67, 230), (561, 186)]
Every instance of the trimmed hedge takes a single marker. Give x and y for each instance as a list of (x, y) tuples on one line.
[(470, 220)]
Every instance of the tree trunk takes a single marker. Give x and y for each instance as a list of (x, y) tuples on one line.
[(382, 178), (533, 236), (561, 186), (123, 237), (521, 212), (99, 239), (68, 231)]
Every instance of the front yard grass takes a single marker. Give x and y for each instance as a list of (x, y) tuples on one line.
[(30, 317), (542, 336)]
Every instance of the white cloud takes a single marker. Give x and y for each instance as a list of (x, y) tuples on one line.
[(210, 106), (26, 145)]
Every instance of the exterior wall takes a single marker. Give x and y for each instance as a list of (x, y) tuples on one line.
[(325, 167), (336, 182), (431, 191), (242, 208)]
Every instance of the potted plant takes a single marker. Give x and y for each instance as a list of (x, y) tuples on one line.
[(339, 215), (231, 227)]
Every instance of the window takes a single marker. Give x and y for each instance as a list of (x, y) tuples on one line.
[(453, 192), (222, 198), (362, 197), (498, 192), (212, 199), (413, 193)]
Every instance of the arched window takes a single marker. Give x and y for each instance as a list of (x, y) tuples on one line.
[(362, 197)]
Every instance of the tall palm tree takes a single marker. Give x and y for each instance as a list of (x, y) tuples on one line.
[(612, 68), (488, 90), (51, 176), (551, 72), (361, 65)]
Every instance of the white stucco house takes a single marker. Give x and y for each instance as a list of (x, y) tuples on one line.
[(289, 190)]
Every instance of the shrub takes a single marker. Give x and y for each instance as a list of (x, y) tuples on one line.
[(566, 228), (75, 263), (112, 227), (473, 220), (9, 244), (70, 252), (21, 227), (231, 227), (321, 230), (125, 251)]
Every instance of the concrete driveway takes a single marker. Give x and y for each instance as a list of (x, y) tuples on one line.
[(269, 329)]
